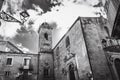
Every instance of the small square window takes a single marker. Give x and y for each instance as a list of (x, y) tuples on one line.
[(7, 73), (9, 61), (26, 61)]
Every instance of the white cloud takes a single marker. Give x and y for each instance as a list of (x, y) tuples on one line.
[(22, 48), (9, 29), (63, 15)]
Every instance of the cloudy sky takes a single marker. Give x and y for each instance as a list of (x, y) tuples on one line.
[(58, 13)]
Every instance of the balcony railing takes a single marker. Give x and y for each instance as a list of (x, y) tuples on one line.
[(26, 68), (111, 45)]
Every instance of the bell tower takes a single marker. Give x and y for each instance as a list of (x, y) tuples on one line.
[(45, 38), (45, 52)]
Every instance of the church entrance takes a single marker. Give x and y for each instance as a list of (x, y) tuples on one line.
[(117, 66), (71, 72)]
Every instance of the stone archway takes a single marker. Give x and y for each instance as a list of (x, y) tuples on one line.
[(71, 72), (117, 66)]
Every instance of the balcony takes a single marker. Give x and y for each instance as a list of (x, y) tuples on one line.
[(26, 68), (111, 45)]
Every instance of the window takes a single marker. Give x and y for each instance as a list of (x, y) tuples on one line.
[(67, 42), (46, 36), (107, 30), (117, 66), (57, 51), (9, 61), (26, 61), (71, 72), (7, 73), (46, 72)]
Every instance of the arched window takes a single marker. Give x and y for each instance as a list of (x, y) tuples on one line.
[(71, 72), (46, 70), (46, 36), (67, 41), (117, 66)]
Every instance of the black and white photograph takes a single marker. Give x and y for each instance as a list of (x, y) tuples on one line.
[(59, 40)]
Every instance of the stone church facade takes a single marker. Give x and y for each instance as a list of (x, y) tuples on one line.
[(81, 54), (88, 51)]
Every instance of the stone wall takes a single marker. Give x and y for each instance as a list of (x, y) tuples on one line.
[(85, 51), (46, 62), (111, 14), (45, 51), (75, 54), (92, 35)]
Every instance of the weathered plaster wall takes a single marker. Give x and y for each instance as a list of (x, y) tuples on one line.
[(17, 62)]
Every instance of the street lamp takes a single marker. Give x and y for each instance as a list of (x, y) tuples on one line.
[(8, 18)]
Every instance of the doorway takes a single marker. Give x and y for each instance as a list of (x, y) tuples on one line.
[(71, 72)]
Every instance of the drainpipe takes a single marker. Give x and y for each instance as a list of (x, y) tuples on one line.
[(38, 57)]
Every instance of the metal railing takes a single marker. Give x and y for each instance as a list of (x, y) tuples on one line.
[(112, 45)]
